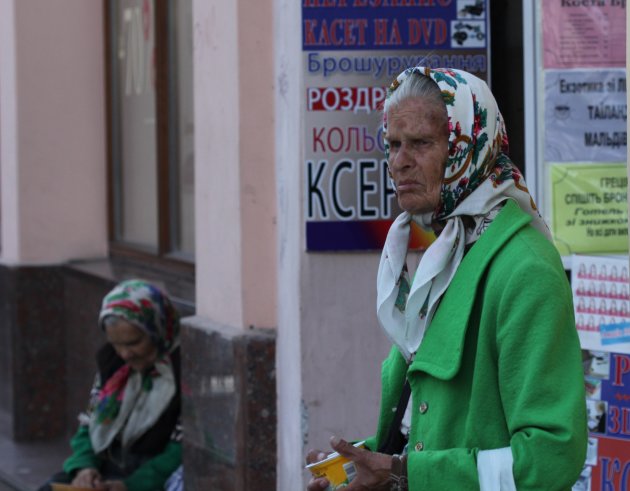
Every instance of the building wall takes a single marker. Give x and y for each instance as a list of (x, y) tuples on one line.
[(251, 267), (234, 184), (288, 106), (53, 131), (230, 404), (342, 347), (329, 346), (52, 192)]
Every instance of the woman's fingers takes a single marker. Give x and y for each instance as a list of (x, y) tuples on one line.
[(315, 456), (86, 478), (373, 469), (344, 448), (317, 484), (320, 483)]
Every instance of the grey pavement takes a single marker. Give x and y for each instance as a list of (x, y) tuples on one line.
[(26, 466), (6, 487)]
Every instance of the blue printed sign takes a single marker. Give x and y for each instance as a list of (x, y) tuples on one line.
[(352, 50), (615, 333), (394, 24)]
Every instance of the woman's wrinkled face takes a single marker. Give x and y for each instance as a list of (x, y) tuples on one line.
[(132, 344), (417, 133)]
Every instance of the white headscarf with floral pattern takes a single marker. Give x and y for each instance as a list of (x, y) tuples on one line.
[(129, 403), (478, 178)]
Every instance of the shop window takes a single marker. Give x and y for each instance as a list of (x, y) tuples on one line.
[(151, 128)]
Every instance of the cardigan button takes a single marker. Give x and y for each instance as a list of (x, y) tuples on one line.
[(419, 447), (424, 407)]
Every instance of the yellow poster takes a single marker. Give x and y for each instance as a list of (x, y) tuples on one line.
[(590, 208)]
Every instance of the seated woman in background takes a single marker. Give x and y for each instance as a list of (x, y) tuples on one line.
[(129, 439)]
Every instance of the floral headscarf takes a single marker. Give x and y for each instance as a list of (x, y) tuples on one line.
[(478, 178), (145, 306), (131, 402)]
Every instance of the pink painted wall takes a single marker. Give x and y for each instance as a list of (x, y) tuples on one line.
[(258, 179), (234, 167), (217, 217), (9, 236), (54, 201)]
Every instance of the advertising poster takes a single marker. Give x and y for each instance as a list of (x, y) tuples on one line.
[(590, 208), (352, 50), (584, 33), (607, 381), (585, 115), (601, 301)]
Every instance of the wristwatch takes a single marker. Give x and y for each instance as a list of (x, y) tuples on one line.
[(398, 473)]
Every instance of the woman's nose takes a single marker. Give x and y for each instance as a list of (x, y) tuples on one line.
[(125, 353), (401, 159)]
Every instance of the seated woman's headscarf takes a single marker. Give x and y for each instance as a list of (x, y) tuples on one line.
[(131, 402), (478, 178)]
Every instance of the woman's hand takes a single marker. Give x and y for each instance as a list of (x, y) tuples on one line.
[(87, 478), (113, 486), (373, 469), (320, 483)]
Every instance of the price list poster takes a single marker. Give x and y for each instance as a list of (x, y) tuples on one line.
[(585, 117), (601, 293), (352, 51), (583, 78)]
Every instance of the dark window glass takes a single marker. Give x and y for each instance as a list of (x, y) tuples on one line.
[(151, 127)]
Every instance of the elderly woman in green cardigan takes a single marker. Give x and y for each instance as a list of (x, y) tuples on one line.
[(129, 439), (483, 388)]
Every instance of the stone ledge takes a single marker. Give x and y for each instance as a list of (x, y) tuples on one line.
[(229, 407)]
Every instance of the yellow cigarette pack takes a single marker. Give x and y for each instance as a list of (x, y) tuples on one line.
[(336, 468), (67, 487)]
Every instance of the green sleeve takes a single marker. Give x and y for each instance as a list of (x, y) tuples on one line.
[(152, 475), (393, 371), (83, 455), (539, 362)]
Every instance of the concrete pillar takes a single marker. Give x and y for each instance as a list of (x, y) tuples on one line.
[(228, 349), (288, 139), (234, 167)]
